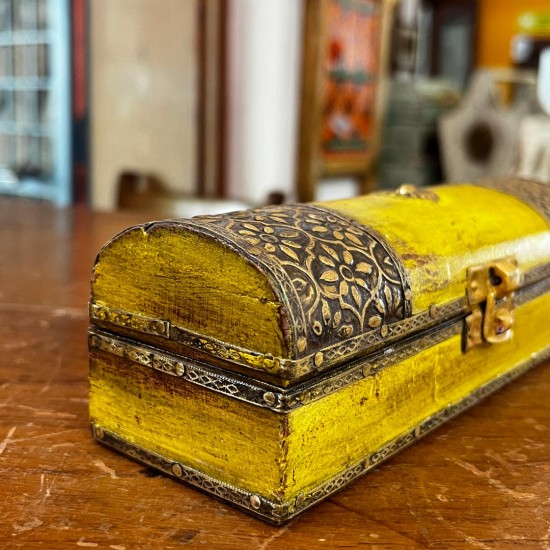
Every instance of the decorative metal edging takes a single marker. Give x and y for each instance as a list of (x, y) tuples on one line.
[(369, 366), (277, 512), (245, 500), (253, 391), (206, 377), (334, 355), (132, 321), (536, 282)]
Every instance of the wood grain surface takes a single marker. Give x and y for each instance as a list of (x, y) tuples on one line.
[(481, 481)]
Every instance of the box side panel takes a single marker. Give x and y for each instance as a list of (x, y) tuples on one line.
[(193, 281), (439, 239), (332, 434), (229, 440)]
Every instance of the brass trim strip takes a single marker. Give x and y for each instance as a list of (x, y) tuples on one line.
[(133, 321), (291, 369), (242, 499), (281, 512), (201, 375), (536, 282), (253, 391)]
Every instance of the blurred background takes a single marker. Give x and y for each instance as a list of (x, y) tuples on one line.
[(202, 106)]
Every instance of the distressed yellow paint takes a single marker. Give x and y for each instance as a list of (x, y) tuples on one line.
[(280, 456), (222, 437), (437, 241), (205, 287), (327, 435)]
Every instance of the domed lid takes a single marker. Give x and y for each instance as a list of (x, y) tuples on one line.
[(289, 291)]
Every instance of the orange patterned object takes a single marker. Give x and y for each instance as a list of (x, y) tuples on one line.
[(350, 79)]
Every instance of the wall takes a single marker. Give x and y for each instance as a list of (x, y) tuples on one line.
[(497, 25), (143, 93), (263, 89)]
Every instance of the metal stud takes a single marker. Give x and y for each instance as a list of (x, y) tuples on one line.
[(255, 502), (158, 327), (177, 470), (269, 398), (180, 369), (318, 359)]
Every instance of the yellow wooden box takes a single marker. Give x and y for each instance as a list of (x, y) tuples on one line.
[(269, 357)]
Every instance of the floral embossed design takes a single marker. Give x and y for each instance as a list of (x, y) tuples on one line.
[(345, 279)]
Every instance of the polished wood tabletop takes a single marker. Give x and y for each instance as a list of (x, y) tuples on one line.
[(480, 481)]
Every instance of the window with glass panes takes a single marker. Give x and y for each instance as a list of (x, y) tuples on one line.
[(35, 154)]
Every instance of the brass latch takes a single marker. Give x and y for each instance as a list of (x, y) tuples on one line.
[(489, 293)]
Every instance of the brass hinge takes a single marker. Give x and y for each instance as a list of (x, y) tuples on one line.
[(489, 292)]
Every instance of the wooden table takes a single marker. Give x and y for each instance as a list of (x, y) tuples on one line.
[(481, 481)]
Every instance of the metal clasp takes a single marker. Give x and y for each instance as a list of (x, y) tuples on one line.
[(489, 292)]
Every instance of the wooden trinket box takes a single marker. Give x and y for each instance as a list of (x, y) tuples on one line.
[(269, 357)]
